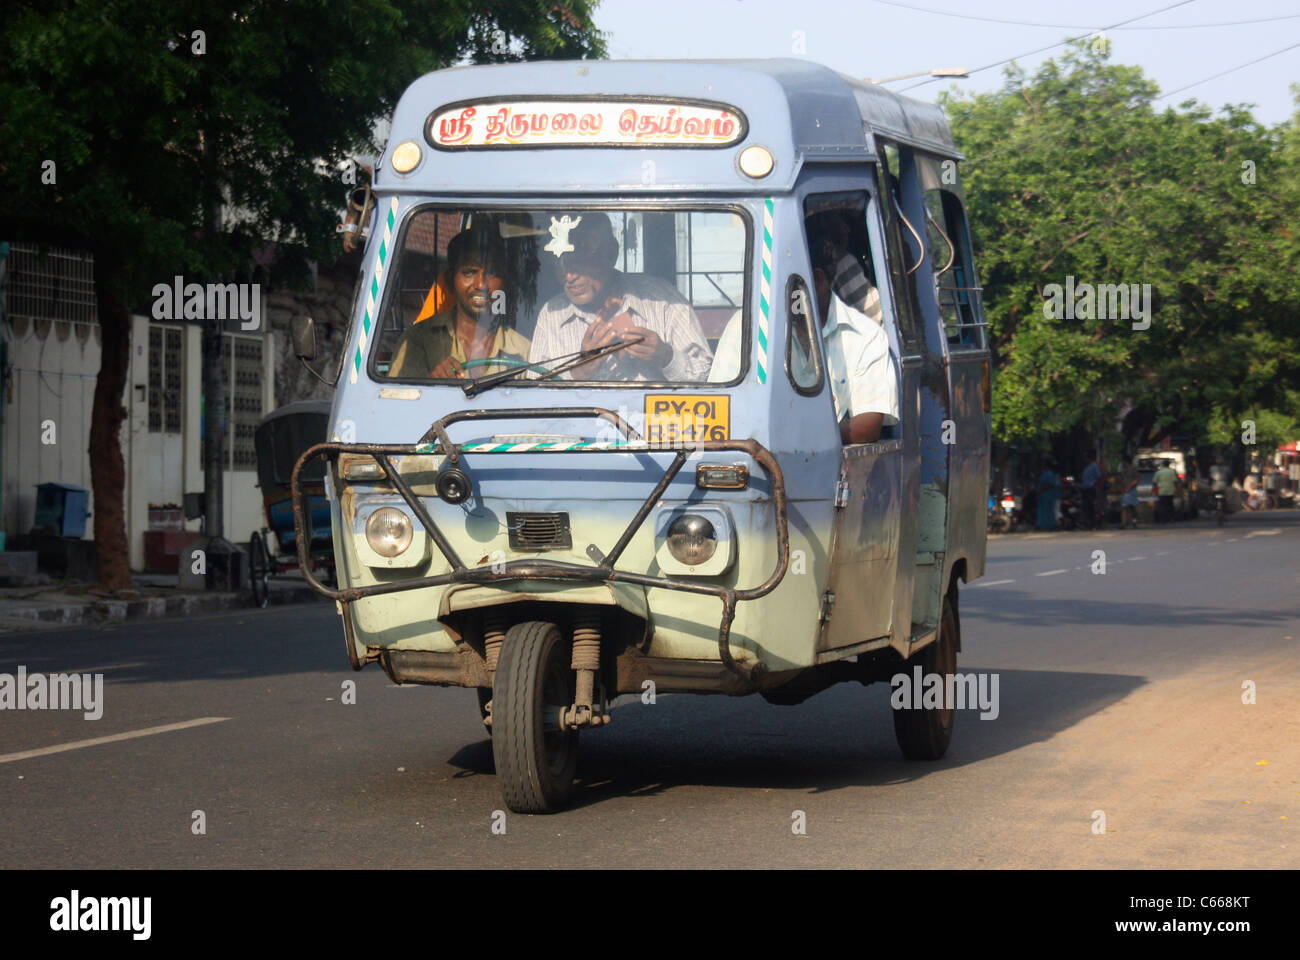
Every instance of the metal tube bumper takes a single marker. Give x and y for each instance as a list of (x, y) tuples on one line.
[(435, 441)]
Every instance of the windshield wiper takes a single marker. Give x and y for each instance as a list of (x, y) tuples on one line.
[(572, 360)]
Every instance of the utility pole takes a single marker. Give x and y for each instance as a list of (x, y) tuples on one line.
[(214, 399), (214, 562)]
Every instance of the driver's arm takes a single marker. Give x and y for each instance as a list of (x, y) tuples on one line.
[(873, 386), (864, 428)]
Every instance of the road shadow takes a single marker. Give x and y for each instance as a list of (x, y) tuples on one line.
[(222, 646), (1032, 610), (843, 737)]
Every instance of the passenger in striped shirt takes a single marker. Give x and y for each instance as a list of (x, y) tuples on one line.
[(601, 304), (848, 279)]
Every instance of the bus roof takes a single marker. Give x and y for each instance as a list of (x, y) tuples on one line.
[(800, 111)]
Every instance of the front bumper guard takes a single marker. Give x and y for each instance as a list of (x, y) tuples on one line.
[(436, 441)]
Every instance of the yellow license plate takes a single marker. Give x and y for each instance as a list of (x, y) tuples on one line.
[(686, 418)]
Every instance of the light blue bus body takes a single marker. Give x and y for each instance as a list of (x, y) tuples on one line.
[(879, 534)]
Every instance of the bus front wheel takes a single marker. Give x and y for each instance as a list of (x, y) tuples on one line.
[(534, 683)]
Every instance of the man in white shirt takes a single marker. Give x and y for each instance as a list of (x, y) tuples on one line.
[(860, 366), (600, 305)]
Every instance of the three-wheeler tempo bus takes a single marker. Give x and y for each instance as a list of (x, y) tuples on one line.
[(661, 376)]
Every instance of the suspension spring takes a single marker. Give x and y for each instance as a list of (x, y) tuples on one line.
[(494, 634), (586, 642)]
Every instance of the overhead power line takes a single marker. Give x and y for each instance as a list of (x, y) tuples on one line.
[(1050, 133), (1224, 73), (1061, 43), (1080, 26)]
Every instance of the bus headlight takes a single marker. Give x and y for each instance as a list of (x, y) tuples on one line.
[(389, 532), (695, 540), (692, 540)]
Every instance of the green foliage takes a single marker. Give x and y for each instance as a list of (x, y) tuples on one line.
[(1072, 172), (1272, 428), (150, 136)]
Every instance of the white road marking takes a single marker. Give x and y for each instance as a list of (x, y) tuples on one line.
[(1234, 539), (1163, 553), (1051, 573), (105, 667), (1137, 558), (1263, 533), (111, 738), (990, 583)]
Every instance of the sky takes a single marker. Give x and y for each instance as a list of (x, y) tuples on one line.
[(888, 38)]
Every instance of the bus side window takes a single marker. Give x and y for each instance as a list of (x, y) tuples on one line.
[(903, 256), (850, 320), (959, 295), (948, 239), (803, 356)]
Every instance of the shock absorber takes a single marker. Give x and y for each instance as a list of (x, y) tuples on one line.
[(495, 625), (494, 634), (586, 661)]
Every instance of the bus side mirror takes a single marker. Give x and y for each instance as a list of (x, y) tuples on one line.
[(304, 347), (304, 338)]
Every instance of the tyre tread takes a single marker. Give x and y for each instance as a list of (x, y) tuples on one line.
[(517, 744)]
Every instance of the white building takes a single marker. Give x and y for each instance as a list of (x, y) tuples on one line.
[(51, 343)]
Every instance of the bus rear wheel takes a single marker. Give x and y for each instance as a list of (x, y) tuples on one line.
[(925, 734), (259, 570), (536, 757)]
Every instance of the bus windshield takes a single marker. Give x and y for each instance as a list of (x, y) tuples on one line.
[(611, 296)]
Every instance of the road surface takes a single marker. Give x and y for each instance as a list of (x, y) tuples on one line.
[(1120, 696)]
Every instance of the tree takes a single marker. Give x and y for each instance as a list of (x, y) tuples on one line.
[(1074, 173), (157, 114)]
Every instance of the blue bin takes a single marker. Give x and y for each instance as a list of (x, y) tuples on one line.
[(61, 509)]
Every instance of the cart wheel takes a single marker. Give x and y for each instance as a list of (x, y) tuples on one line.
[(484, 698), (259, 570), (535, 758), (925, 734)]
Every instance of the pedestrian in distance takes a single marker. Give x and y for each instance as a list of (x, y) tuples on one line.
[(1128, 485), (1090, 488), (1166, 484), (1049, 492)]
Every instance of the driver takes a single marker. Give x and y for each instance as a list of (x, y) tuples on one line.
[(465, 328), (600, 305)]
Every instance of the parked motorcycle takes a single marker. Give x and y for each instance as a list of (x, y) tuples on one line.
[(1071, 505), (999, 520)]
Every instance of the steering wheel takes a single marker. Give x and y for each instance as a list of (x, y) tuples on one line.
[(510, 363)]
